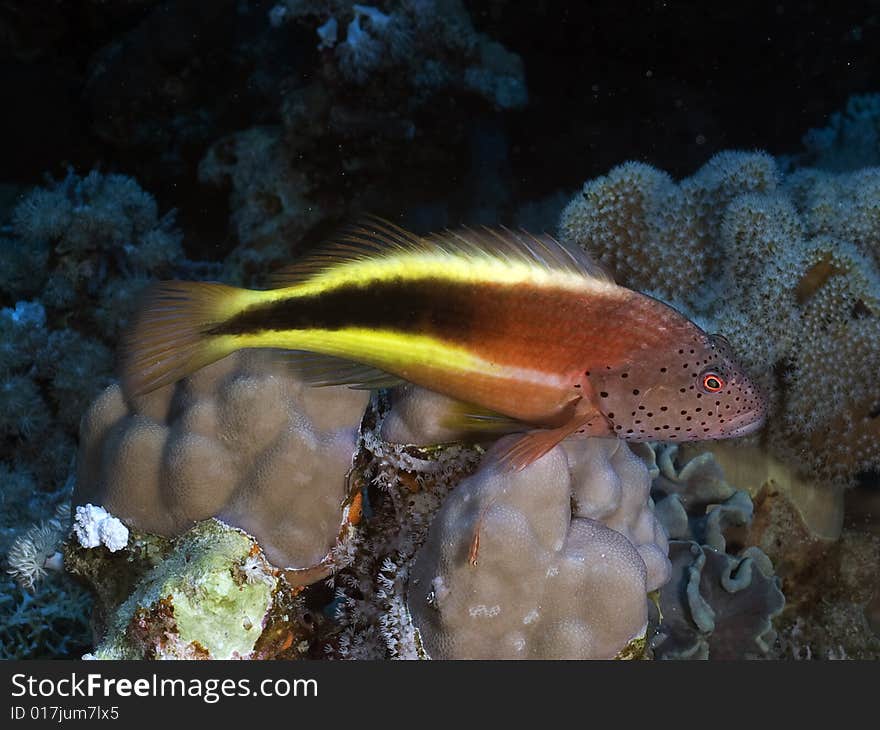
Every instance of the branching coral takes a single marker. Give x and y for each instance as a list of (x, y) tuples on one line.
[(78, 249), (242, 440), (785, 266)]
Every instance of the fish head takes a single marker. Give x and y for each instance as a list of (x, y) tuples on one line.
[(694, 392)]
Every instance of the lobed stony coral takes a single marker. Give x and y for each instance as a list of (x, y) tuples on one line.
[(569, 547), (785, 266), (242, 440)]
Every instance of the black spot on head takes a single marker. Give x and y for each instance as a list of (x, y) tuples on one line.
[(577, 385), (663, 408), (610, 415), (662, 370), (635, 391), (603, 394), (624, 375)]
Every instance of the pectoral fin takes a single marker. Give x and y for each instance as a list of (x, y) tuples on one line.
[(532, 445)]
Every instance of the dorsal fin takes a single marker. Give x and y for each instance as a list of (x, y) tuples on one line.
[(521, 246), (375, 238)]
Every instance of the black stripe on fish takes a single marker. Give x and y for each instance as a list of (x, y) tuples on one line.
[(427, 306)]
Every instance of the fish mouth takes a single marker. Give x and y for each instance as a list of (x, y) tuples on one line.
[(746, 428)]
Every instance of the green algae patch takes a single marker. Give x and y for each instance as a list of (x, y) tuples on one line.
[(207, 599)]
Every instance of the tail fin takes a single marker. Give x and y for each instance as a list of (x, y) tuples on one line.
[(170, 335)]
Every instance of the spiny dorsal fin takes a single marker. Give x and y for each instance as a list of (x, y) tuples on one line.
[(521, 246), (376, 238)]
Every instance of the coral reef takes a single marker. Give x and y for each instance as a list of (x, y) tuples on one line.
[(833, 613), (44, 614), (717, 606), (568, 551), (429, 46), (723, 596), (410, 587), (850, 141), (785, 266), (362, 127), (73, 256), (242, 440), (71, 262), (208, 594)]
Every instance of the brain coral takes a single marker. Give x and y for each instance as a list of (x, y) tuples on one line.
[(241, 440), (568, 550), (786, 266)]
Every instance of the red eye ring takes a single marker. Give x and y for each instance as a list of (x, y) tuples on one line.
[(712, 382)]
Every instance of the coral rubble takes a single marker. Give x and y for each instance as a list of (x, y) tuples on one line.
[(209, 594)]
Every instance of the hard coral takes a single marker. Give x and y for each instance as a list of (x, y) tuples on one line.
[(785, 266), (242, 440), (411, 591), (569, 549)]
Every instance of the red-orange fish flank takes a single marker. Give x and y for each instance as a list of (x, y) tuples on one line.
[(509, 323)]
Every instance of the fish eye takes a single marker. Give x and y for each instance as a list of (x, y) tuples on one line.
[(712, 381)]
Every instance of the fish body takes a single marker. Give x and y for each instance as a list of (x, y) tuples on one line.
[(518, 327)]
